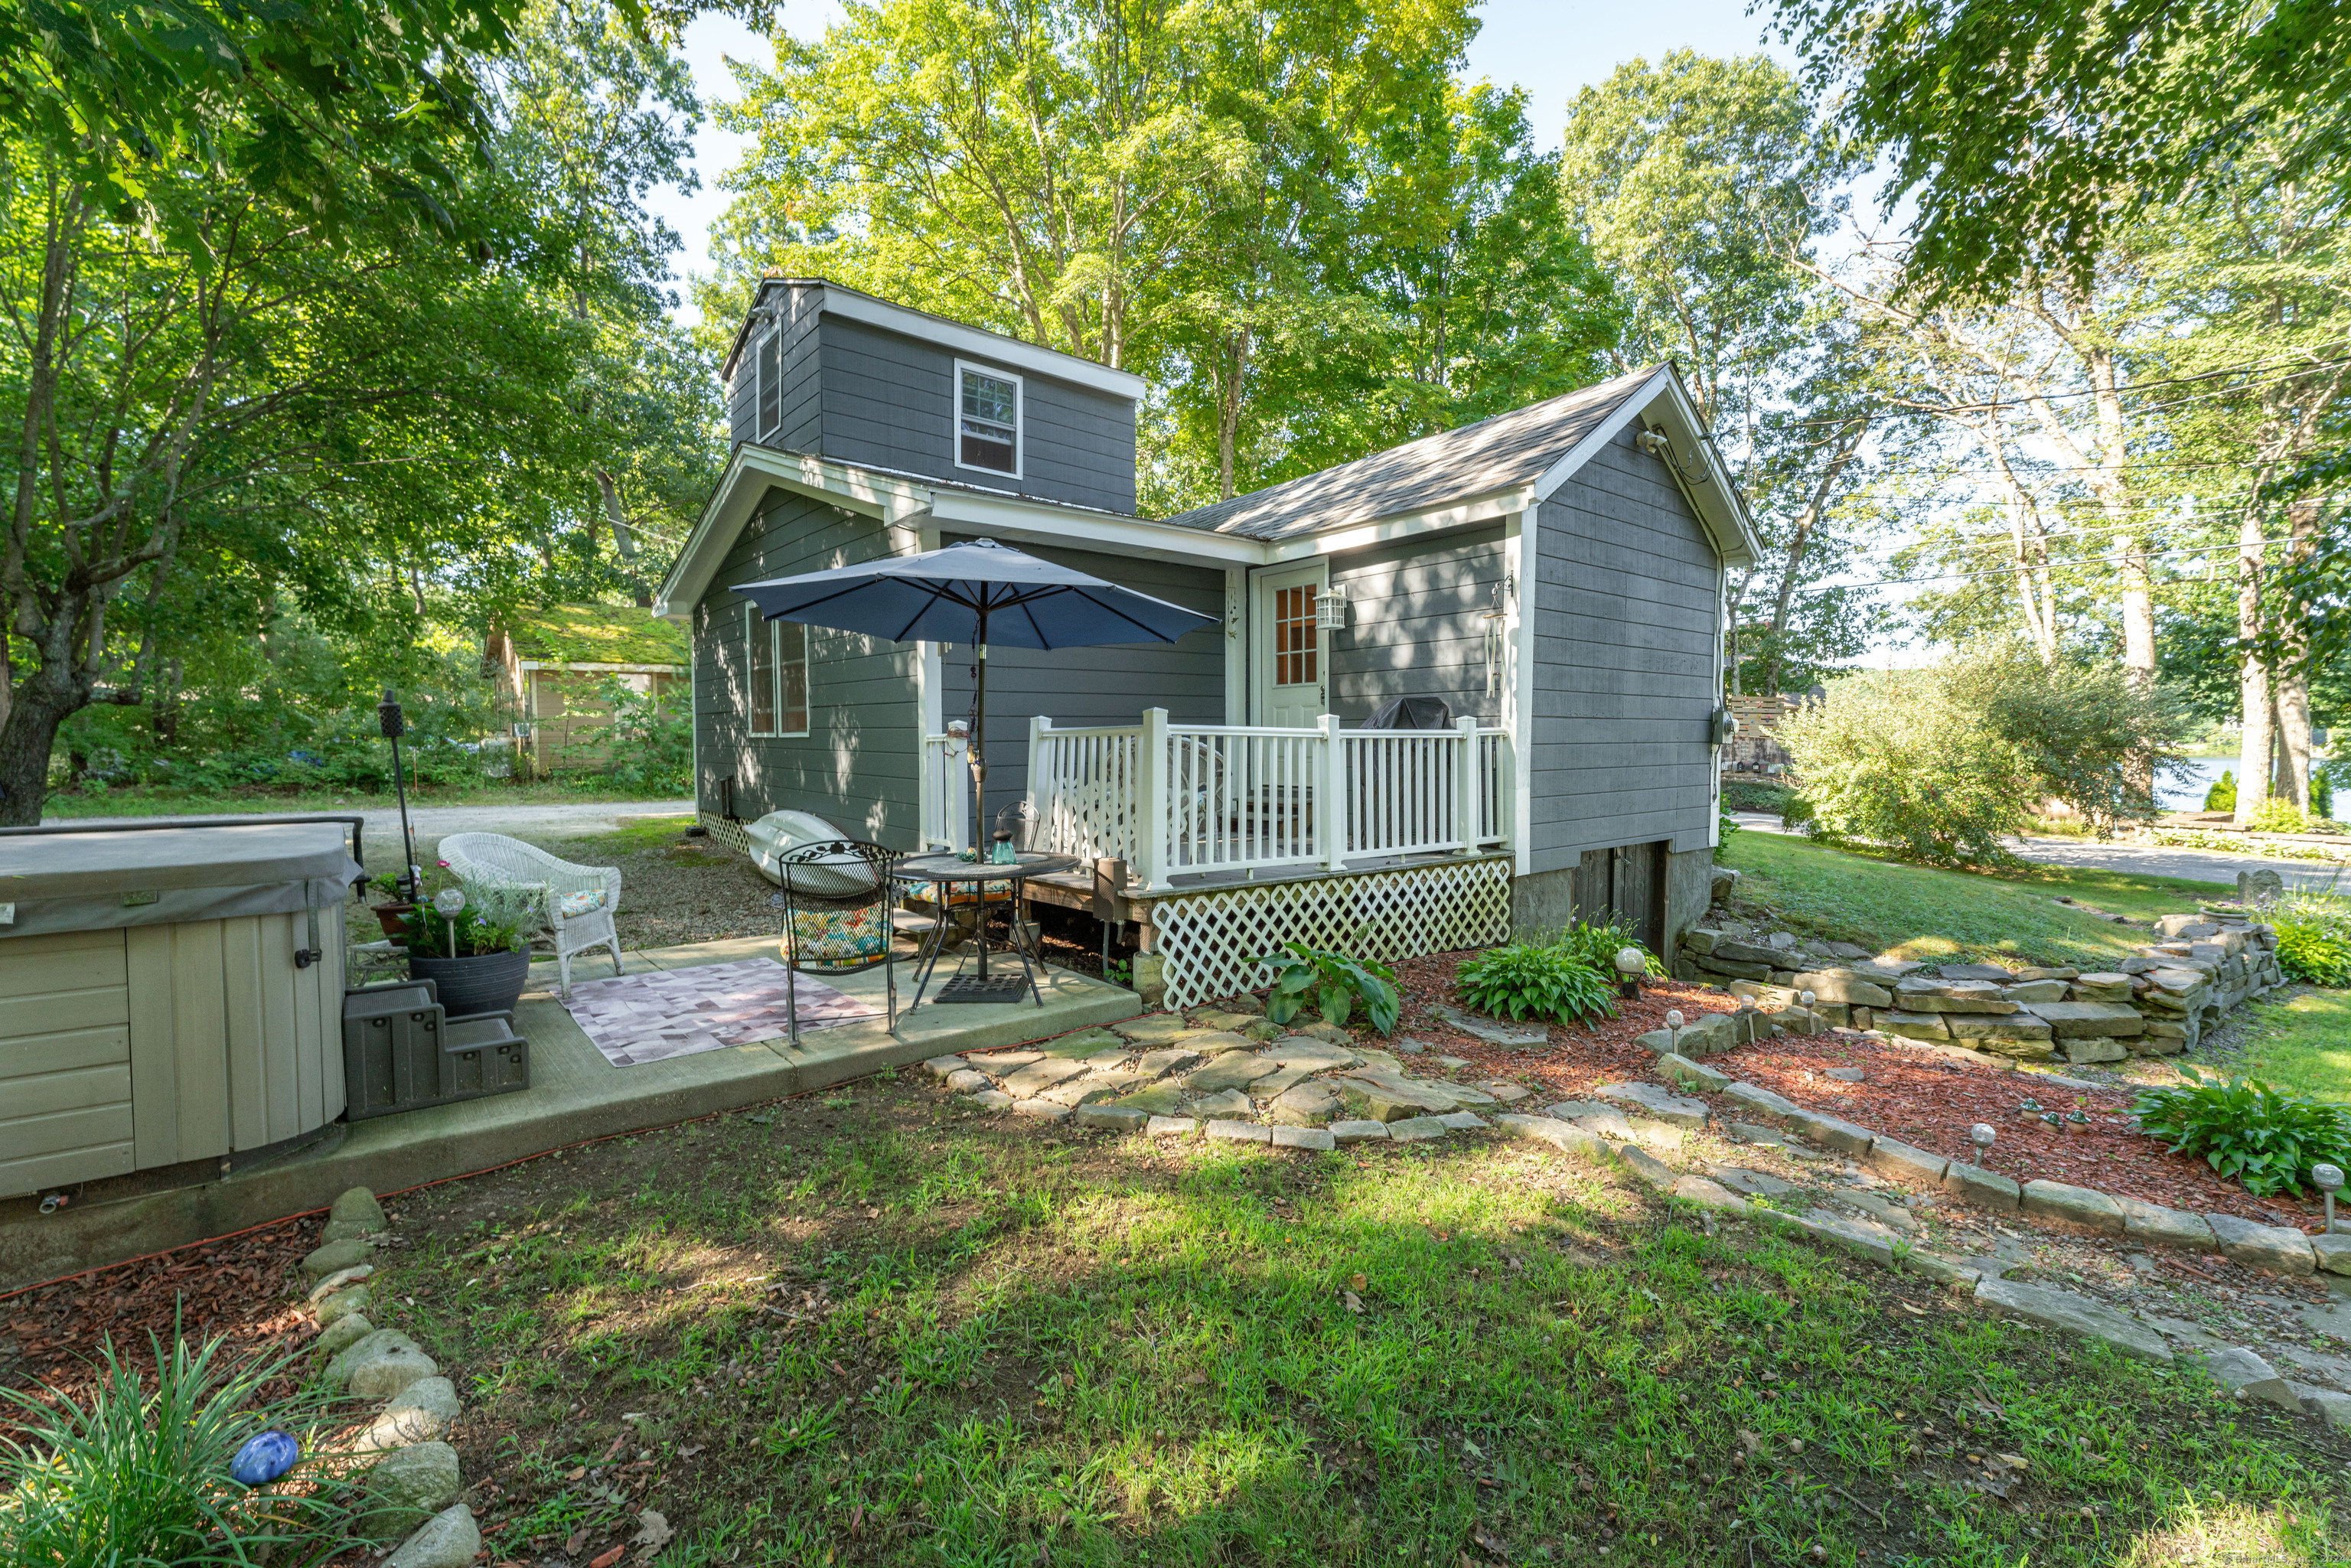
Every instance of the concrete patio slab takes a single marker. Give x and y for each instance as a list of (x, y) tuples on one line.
[(575, 1095)]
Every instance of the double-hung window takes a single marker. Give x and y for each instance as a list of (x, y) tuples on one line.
[(988, 419), (779, 674)]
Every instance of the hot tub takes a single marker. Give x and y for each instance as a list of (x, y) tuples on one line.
[(167, 994)]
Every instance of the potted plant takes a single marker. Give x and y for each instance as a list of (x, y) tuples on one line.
[(393, 912), (472, 943)]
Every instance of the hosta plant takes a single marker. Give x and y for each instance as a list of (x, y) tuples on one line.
[(1333, 983), (2247, 1131), (1525, 980), (1597, 946)]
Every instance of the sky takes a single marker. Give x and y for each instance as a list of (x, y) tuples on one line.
[(1551, 47)]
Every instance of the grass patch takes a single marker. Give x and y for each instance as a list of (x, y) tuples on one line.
[(2300, 1041), (139, 801), (1916, 912), (627, 837), (875, 1329)]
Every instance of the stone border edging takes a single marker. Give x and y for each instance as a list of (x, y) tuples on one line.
[(415, 1475)]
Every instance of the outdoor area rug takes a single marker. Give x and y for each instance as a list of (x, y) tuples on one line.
[(637, 1018)]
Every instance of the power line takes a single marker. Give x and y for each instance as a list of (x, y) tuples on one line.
[(1944, 411)]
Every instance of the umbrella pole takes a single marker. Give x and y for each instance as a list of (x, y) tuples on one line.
[(979, 840)]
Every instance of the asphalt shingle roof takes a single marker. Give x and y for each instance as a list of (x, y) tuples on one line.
[(1494, 453)]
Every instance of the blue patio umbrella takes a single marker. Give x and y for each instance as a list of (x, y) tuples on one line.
[(976, 593)]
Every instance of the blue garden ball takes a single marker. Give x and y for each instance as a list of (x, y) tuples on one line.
[(265, 1458)]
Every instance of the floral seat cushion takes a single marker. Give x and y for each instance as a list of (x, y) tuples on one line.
[(573, 905), (836, 935)]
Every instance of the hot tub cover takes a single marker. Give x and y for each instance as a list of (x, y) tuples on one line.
[(97, 881)]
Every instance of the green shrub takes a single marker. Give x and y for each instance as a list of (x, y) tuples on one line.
[(2276, 814), (650, 742), (2247, 1131), (138, 1475), (1745, 795), (2222, 795), (1530, 980), (1942, 764), (2313, 938), (494, 919), (2322, 794), (1334, 983), (1597, 946)]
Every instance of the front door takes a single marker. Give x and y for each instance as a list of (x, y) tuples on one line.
[(1291, 659)]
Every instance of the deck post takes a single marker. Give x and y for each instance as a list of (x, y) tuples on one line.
[(1040, 727), (1467, 787), (1331, 811), (1151, 790)]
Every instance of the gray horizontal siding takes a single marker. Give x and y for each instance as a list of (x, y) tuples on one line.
[(798, 404), (857, 766), (1415, 625), (890, 401), (1076, 686), (1624, 601)]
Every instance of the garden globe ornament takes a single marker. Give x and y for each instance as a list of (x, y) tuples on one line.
[(2328, 1179), (264, 1458), (451, 902), (1630, 963), (1812, 1023), (1982, 1134), (1674, 1022)]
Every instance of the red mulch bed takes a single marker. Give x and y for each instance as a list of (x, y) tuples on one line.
[(237, 1288), (1931, 1102)]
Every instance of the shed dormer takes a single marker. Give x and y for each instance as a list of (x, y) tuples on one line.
[(817, 368)]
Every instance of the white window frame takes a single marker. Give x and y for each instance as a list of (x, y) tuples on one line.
[(1019, 418), (759, 384), (752, 623)]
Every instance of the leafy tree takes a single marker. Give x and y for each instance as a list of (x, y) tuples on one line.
[(2026, 132)]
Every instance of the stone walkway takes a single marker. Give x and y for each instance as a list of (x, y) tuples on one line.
[(1232, 1076)]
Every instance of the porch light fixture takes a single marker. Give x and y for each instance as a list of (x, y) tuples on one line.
[(1331, 610)]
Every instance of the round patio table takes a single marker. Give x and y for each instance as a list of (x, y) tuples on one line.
[(946, 873)]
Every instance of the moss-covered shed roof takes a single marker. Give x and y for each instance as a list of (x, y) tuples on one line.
[(596, 635)]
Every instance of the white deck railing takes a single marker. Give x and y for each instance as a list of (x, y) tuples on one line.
[(1177, 799)]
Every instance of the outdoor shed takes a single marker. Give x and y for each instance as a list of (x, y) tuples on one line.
[(552, 666), (156, 1003)]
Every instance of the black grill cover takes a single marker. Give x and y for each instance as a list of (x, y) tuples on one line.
[(1413, 713)]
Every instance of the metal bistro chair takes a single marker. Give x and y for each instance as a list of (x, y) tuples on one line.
[(835, 906)]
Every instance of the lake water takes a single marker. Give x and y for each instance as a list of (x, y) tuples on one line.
[(2184, 792)]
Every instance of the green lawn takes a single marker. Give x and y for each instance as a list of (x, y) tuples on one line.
[(1914, 912), (878, 1328), (141, 802), (2302, 1043)]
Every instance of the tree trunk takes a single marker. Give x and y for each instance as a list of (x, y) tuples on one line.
[(2293, 781), (26, 739), (625, 542), (2256, 702)]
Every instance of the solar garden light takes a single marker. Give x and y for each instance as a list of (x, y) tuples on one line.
[(1674, 1022), (1983, 1135), (2328, 1179), (1630, 964), (1812, 1019), (451, 902)]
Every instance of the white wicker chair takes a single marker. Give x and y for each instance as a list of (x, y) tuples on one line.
[(495, 860)]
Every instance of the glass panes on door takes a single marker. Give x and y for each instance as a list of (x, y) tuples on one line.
[(1297, 647)]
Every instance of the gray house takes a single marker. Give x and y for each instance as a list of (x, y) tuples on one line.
[(1554, 574)]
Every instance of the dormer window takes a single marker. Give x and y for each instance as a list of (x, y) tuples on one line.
[(988, 419)]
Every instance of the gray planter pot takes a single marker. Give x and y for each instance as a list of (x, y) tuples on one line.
[(491, 983)]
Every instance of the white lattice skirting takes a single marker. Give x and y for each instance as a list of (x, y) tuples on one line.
[(1207, 940), (723, 831)]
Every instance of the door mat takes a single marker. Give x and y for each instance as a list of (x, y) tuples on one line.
[(637, 1018)]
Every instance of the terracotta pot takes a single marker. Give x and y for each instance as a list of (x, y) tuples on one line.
[(393, 918), (487, 983)]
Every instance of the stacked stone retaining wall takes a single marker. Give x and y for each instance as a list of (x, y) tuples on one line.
[(2158, 1001)]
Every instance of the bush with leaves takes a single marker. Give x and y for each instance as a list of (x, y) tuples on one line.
[(139, 1474), (2222, 795), (1334, 983), (1746, 795), (2276, 814), (1536, 980), (2313, 933), (1942, 764), (2247, 1131), (1597, 946), (649, 740)]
